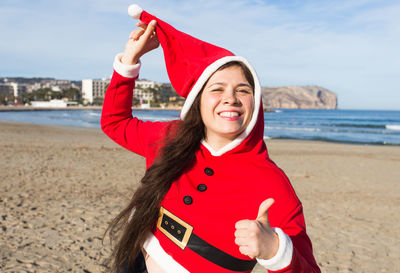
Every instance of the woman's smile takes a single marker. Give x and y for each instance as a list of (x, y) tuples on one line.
[(229, 115)]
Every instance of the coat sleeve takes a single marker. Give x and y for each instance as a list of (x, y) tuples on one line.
[(302, 258), (295, 254), (118, 123)]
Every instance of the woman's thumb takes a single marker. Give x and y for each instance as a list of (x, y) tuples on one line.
[(263, 210)]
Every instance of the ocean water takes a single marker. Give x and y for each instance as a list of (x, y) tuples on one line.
[(348, 126)]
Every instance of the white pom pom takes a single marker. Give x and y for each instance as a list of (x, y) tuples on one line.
[(135, 11)]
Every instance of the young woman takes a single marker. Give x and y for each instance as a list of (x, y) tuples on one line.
[(211, 200)]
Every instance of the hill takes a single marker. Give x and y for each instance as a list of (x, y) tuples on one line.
[(299, 97)]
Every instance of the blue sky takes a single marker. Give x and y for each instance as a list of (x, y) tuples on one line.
[(349, 47)]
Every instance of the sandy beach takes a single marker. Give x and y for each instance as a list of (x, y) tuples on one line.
[(60, 186)]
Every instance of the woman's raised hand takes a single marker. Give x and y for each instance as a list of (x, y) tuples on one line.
[(256, 238), (141, 41)]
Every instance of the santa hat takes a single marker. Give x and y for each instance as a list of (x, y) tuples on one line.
[(190, 61)]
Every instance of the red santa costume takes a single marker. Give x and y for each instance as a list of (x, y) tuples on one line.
[(195, 230)]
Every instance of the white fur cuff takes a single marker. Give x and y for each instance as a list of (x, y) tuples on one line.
[(128, 71), (284, 255), (162, 258)]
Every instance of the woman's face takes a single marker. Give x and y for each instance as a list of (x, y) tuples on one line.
[(226, 104)]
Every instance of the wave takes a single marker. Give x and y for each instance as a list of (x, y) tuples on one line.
[(94, 114), (326, 126), (356, 125), (293, 129), (395, 127), (332, 131), (327, 139)]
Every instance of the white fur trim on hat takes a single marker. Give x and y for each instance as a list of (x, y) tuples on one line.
[(199, 85), (135, 11)]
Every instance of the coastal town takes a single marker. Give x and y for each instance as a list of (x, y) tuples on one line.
[(52, 93)]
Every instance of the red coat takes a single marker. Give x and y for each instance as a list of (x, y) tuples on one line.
[(233, 190)]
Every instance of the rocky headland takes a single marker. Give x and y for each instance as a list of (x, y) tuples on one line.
[(299, 97)]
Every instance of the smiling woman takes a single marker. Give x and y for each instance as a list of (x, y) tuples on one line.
[(211, 200)]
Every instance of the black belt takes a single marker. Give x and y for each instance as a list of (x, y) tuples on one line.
[(181, 233)]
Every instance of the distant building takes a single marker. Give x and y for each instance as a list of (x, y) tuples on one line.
[(49, 104), (6, 89), (12, 88), (28, 85), (141, 91), (92, 89), (55, 88), (143, 95), (146, 84)]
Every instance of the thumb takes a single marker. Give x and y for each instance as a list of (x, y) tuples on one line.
[(150, 29), (263, 210)]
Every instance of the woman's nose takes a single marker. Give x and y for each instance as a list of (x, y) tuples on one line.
[(230, 97)]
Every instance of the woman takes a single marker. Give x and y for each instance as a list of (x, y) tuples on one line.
[(205, 202)]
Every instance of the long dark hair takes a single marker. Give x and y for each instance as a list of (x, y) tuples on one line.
[(132, 224)]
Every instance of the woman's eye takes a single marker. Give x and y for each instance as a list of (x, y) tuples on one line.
[(244, 91)]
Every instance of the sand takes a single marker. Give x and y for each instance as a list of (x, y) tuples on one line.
[(60, 186)]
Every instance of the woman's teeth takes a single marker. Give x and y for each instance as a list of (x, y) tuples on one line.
[(229, 114)]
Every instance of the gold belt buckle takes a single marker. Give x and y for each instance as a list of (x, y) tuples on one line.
[(177, 230)]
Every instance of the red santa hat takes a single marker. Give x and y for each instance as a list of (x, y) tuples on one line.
[(190, 61)]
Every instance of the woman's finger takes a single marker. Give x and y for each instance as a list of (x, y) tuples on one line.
[(136, 34), (133, 33), (245, 250), (241, 233), (141, 25), (150, 29), (241, 241), (243, 224)]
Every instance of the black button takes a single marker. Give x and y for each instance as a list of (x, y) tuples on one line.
[(201, 187), (187, 200), (209, 171)]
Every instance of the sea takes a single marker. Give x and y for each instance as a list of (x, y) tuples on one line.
[(369, 127)]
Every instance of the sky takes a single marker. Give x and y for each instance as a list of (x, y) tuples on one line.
[(349, 47)]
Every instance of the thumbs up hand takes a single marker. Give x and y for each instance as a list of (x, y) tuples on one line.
[(256, 238)]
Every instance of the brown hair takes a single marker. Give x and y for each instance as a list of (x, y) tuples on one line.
[(132, 224)]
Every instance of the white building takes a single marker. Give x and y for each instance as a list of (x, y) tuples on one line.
[(146, 84), (49, 104), (92, 89), (56, 88), (140, 91), (143, 95)]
